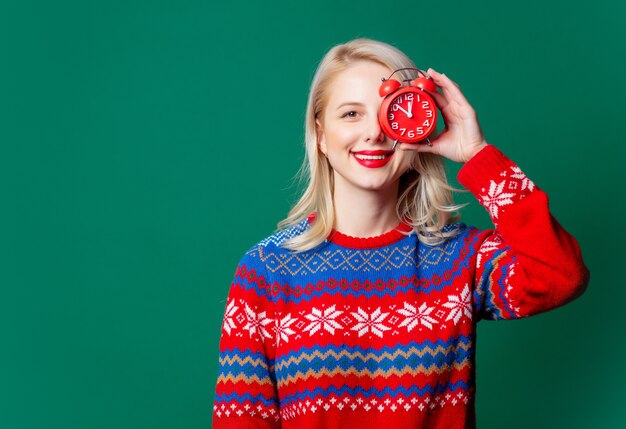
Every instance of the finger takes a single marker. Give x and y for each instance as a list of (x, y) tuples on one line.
[(441, 99), (415, 147), (442, 77), (450, 89)]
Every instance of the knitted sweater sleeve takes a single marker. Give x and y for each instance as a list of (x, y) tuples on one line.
[(528, 264), (245, 395)]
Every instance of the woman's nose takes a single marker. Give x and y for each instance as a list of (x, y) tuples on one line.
[(374, 133)]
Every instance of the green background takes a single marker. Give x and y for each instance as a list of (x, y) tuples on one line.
[(147, 145)]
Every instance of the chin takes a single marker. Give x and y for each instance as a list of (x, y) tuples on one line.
[(375, 186), (361, 182)]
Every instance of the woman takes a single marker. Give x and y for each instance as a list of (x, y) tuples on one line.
[(362, 308)]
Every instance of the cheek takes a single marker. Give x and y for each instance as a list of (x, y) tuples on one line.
[(342, 136)]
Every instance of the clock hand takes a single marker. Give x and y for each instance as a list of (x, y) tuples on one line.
[(410, 113), (405, 112)]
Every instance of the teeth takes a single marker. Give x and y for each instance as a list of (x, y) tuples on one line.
[(360, 156)]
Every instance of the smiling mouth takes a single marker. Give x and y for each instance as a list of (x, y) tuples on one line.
[(371, 157), (377, 155)]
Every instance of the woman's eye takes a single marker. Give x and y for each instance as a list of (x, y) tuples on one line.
[(350, 114)]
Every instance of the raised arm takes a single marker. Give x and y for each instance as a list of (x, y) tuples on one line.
[(528, 264)]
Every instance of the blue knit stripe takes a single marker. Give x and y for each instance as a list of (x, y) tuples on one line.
[(246, 397), (424, 353), (352, 391), (410, 361), (237, 356), (246, 368), (317, 286), (308, 271), (406, 392)]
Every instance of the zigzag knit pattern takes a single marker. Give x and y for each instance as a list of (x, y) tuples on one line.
[(351, 334)]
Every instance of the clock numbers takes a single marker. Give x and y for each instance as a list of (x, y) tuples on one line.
[(410, 133), (411, 116), (412, 97)]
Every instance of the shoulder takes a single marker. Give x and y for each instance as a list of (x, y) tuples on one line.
[(278, 237), (271, 244), (256, 268)]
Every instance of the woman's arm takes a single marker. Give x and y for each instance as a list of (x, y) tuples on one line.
[(245, 395), (529, 264)]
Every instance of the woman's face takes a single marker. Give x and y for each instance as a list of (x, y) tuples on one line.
[(350, 135)]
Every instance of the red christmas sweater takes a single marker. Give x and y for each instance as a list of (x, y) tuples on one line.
[(366, 332)]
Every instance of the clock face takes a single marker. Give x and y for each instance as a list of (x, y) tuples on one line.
[(410, 115)]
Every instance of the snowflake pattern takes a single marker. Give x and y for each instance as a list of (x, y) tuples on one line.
[(283, 329), (459, 305), (415, 316), (424, 311), (370, 322), (501, 194), (256, 323), (496, 197), (525, 181), (229, 315), (325, 320)]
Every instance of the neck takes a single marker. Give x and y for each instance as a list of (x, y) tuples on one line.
[(362, 213)]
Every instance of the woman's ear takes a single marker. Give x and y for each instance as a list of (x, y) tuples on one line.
[(321, 140)]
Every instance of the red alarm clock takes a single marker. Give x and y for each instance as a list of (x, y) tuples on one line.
[(408, 114)]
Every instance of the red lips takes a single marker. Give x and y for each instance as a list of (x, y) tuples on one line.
[(374, 163)]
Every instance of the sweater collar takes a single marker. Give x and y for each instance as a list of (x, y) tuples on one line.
[(389, 237)]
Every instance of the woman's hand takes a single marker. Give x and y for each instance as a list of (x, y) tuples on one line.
[(462, 137)]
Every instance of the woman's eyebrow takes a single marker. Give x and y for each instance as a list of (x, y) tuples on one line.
[(350, 103)]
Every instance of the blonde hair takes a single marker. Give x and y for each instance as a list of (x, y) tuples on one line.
[(424, 196)]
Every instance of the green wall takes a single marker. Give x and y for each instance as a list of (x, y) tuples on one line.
[(147, 144)]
